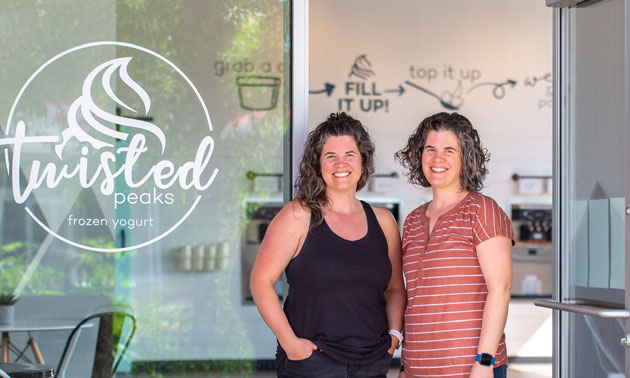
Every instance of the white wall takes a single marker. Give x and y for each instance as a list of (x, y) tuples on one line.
[(441, 46)]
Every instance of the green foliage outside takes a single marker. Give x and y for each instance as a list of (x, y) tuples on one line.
[(13, 268)]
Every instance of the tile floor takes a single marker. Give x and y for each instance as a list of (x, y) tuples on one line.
[(527, 370)]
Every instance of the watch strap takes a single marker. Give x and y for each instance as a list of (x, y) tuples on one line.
[(485, 359), (398, 335)]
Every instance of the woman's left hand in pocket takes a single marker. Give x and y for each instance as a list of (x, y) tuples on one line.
[(393, 347)]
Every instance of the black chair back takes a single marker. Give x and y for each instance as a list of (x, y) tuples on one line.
[(98, 343)]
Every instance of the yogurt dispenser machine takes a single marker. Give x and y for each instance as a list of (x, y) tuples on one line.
[(533, 253)]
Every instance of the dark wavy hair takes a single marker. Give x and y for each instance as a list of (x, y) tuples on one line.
[(474, 156), (310, 188)]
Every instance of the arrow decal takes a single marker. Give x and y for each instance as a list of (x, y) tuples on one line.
[(400, 90), (329, 89), (498, 91)]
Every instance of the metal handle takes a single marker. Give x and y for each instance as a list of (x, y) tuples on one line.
[(584, 308)]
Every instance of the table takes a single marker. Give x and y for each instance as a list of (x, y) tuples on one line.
[(31, 326), (27, 370)]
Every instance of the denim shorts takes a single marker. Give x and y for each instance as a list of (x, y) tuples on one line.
[(500, 371), (319, 365)]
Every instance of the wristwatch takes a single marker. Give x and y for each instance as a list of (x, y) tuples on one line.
[(485, 359), (398, 335)]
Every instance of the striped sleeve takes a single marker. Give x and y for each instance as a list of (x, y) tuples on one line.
[(490, 221), (405, 233)]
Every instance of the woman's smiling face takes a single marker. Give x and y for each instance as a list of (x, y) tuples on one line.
[(340, 162), (442, 160)]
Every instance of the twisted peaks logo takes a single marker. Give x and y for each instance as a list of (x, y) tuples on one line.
[(129, 165)]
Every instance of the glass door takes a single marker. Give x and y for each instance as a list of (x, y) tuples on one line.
[(591, 199)]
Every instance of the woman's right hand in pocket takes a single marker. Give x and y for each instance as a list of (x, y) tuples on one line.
[(301, 349)]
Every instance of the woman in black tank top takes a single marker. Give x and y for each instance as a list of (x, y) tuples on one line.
[(342, 257)]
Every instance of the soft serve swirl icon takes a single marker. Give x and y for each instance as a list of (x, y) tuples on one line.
[(91, 112), (125, 162)]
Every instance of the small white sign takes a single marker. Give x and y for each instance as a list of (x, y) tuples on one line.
[(266, 184), (530, 186), (383, 184)]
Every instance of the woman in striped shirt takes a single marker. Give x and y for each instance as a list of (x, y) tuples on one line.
[(457, 257)]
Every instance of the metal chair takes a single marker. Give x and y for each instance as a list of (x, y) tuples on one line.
[(98, 343)]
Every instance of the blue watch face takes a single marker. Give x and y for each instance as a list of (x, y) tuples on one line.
[(485, 359)]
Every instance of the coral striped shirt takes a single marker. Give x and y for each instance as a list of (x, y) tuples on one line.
[(446, 291)]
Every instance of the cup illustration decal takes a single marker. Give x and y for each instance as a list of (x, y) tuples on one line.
[(258, 92)]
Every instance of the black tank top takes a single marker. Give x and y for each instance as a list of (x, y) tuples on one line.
[(336, 293)]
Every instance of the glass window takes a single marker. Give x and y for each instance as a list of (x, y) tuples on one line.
[(142, 157)]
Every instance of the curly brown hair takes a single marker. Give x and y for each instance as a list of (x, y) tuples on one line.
[(474, 155), (310, 188)]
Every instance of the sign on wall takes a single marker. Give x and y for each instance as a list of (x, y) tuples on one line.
[(448, 86)]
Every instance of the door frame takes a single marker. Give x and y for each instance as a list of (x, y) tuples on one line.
[(559, 139), (560, 156), (294, 147)]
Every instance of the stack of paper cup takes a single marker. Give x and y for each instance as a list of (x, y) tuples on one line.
[(198, 256), (185, 258), (223, 255), (210, 258)]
